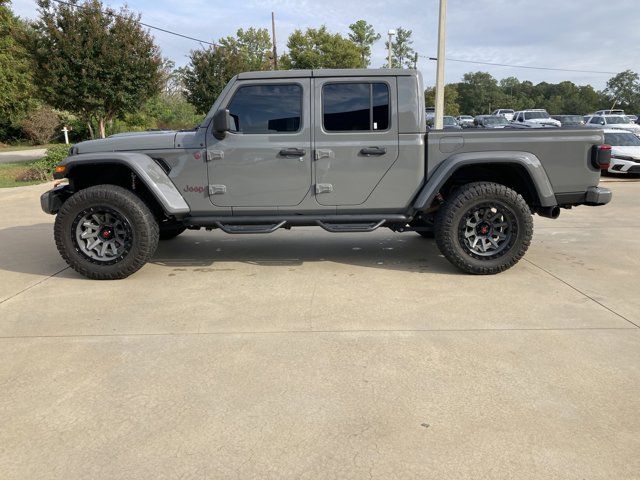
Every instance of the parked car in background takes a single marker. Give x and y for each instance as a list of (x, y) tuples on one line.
[(465, 121), (537, 116), (625, 151), (609, 112), (633, 118), (504, 112), (448, 122), (490, 121), (569, 120), (618, 122)]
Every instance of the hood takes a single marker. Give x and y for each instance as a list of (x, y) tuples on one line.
[(128, 142), (629, 127), (545, 121), (633, 152)]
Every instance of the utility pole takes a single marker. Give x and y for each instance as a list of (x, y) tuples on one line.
[(442, 25), (391, 33), (273, 38)]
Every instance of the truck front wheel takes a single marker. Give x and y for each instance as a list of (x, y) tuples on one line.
[(105, 232), (484, 228)]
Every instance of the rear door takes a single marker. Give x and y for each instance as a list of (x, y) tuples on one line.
[(355, 136), (266, 160)]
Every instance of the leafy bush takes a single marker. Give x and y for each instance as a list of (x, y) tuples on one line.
[(41, 125), (43, 168)]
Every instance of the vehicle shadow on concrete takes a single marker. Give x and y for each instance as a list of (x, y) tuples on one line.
[(31, 250), (406, 252)]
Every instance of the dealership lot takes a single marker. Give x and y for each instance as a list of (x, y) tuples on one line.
[(309, 355)]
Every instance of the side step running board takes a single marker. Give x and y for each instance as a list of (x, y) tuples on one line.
[(350, 227), (240, 229)]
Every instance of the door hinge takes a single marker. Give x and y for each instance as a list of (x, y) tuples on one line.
[(214, 155), (324, 188), (320, 154), (217, 189)]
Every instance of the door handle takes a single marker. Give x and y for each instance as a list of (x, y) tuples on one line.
[(373, 151), (292, 152)]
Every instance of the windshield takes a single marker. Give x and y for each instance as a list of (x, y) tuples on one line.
[(532, 115), (615, 120), (622, 139), (449, 121), (506, 111), (496, 121)]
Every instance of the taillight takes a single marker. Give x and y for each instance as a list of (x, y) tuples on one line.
[(601, 156)]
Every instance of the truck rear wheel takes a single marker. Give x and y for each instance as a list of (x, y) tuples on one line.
[(484, 228), (105, 232)]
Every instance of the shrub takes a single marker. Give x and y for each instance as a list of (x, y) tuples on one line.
[(43, 168), (41, 125)]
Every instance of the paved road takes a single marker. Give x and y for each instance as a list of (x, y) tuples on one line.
[(22, 155), (312, 356)]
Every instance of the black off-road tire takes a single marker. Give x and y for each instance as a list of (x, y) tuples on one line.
[(451, 224), (169, 231), (142, 231)]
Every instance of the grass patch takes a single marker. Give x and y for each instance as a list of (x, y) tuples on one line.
[(9, 172)]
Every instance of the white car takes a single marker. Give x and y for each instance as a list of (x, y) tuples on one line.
[(465, 121), (618, 122), (625, 151), (535, 117), (504, 112)]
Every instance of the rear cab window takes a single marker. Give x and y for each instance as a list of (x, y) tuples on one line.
[(361, 107)]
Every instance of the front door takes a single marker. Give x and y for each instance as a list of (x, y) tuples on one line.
[(265, 161), (356, 137)]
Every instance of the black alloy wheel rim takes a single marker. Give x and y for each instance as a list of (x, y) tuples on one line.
[(102, 235), (487, 230)]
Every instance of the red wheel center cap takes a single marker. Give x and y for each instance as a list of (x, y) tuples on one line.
[(106, 233)]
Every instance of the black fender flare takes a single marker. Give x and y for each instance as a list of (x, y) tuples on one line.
[(145, 168), (448, 167)]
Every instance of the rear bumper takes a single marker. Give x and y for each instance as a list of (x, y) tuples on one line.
[(52, 200), (597, 196)]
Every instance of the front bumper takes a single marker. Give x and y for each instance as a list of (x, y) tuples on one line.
[(52, 200), (597, 196)]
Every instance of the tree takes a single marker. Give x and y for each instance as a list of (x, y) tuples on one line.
[(318, 48), (364, 36), (16, 85), (210, 70), (41, 125), (624, 90), (402, 54), (97, 63), (451, 106), (479, 93)]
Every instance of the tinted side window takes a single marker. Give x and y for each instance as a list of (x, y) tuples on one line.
[(355, 107), (267, 109), (594, 120)]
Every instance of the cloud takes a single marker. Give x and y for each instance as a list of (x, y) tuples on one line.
[(573, 34)]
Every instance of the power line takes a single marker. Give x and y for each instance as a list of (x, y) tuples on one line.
[(520, 66), (150, 26)]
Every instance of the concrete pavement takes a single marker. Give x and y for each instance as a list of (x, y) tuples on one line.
[(309, 355), (22, 155)]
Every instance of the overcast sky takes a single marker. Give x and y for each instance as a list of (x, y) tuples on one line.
[(572, 34)]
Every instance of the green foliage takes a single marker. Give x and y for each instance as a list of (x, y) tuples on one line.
[(624, 90), (16, 86), (210, 70), (479, 93), (43, 168), (318, 48), (451, 106), (402, 54), (163, 112), (96, 63), (364, 36)]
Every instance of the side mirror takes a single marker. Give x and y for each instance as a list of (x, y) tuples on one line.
[(222, 122), (602, 122)]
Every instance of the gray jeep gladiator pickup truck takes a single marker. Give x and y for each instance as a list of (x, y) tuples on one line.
[(344, 150)]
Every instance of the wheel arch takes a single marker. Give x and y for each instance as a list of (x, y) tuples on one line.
[(520, 171), (134, 171)]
